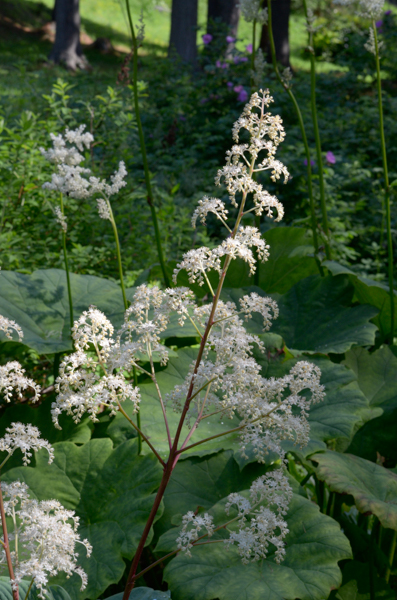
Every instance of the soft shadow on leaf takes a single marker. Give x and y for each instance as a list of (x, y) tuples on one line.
[(373, 487), (356, 584), (39, 304), (54, 592), (377, 377), (368, 291), (143, 593)]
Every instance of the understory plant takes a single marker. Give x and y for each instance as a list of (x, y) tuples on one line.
[(224, 381)]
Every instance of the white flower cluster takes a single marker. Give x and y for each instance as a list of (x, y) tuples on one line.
[(46, 533), (12, 379), (260, 526), (251, 11), (88, 380), (266, 133), (370, 44), (262, 305), (7, 325), (26, 438), (192, 525), (231, 384), (61, 219), (72, 179), (370, 9), (207, 205)]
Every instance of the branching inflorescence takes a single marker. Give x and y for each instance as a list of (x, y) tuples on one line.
[(224, 381)]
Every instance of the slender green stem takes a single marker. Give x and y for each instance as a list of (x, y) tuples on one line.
[(317, 137), (120, 265), (116, 238), (391, 556), (29, 588), (150, 199), (65, 258), (6, 546), (253, 53), (372, 571), (303, 132), (387, 185), (138, 414)]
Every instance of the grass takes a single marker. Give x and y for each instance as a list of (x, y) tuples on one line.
[(107, 18)]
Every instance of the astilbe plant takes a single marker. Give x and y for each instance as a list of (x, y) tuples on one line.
[(224, 380)]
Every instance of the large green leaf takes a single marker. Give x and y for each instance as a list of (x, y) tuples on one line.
[(143, 593), (316, 316), (373, 487), (54, 592), (112, 493), (39, 304), (368, 291), (377, 378), (314, 546), (356, 584)]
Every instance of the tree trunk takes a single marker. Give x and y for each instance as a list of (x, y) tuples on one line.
[(280, 24), (223, 11), (184, 29), (67, 47)]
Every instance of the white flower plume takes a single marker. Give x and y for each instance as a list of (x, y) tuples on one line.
[(26, 438), (47, 538)]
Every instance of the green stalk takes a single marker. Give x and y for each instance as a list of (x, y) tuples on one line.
[(391, 556), (387, 185), (302, 128), (150, 200), (65, 258), (116, 237), (318, 140), (253, 53)]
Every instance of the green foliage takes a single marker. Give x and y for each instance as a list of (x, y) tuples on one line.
[(111, 491), (376, 376), (315, 316), (373, 487), (55, 592), (308, 571)]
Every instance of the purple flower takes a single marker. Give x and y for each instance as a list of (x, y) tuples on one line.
[(330, 158), (229, 84), (230, 39), (379, 24), (243, 96), (207, 38), (311, 162), (238, 88), (182, 118), (240, 59), (388, 12), (249, 48), (221, 65)]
